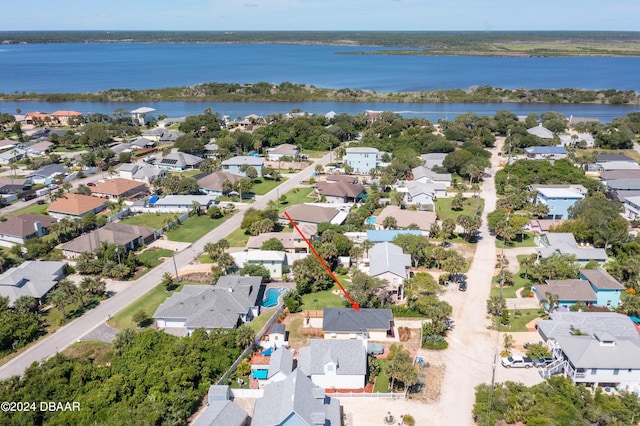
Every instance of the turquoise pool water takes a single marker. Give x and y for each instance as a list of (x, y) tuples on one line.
[(371, 220), (272, 296)]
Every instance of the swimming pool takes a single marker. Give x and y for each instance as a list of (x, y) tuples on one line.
[(273, 294), (371, 220)]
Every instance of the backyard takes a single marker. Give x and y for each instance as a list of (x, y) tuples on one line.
[(470, 207), (297, 196), (194, 228), (150, 220), (261, 185)]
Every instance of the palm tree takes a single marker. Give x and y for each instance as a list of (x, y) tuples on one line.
[(527, 263), (93, 285), (551, 301), (245, 336), (507, 343), (366, 245)]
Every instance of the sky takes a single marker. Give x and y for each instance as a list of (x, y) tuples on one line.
[(319, 15)]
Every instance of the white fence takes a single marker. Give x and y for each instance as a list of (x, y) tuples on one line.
[(247, 393), (384, 395), (141, 209)]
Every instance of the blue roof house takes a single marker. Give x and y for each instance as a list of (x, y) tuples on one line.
[(546, 152), (559, 198)]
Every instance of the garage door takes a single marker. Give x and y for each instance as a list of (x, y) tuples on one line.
[(171, 322)]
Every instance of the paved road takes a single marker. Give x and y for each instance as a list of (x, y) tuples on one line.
[(72, 332)]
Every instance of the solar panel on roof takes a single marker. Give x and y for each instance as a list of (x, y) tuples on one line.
[(168, 161)]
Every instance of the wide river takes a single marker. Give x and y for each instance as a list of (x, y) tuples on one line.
[(78, 68)]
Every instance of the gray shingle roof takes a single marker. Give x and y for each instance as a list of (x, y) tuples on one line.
[(565, 243), (295, 399), (244, 159), (350, 357), (425, 172), (568, 290), (31, 278), (601, 279), (223, 413), (351, 321), (281, 362), (181, 159), (310, 214), (388, 257), (216, 306)]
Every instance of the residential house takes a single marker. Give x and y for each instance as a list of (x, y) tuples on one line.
[(144, 173), (142, 143), (565, 243), (607, 288), (232, 301), (608, 158), (340, 364), (404, 218), (118, 188), (48, 173), (607, 175), (276, 262), (128, 237), (545, 152), (214, 183), (348, 324), (542, 226), (11, 156), (295, 401), (30, 278), (284, 150), (39, 149), (577, 139), (614, 165), (422, 195), (211, 150), (275, 337), (541, 132), (75, 206), (558, 198), (632, 207), (236, 165), (291, 241), (18, 229), (568, 292), (161, 135), (593, 348), (180, 161), (424, 174), (308, 213), (66, 118), (220, 410), (182, 201), (388, 262), (9, 185), (619, 189), (166, 122), (340, 192), (140, 116), (434, 159), (382, 235), (278, 369), (361, 159)]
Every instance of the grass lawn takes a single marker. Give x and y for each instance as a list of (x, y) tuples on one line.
[(187, 173), (314, 154), (297, 196), (523, 240), (509, 292), (194, 228), (259, 322), (471, 206), (100, 352), (238, 238), (261, 186), (519, 323), (151, 220), (295, 333), (149, 303), (324, 299), (151, 257), (32, 209), (382, 381)]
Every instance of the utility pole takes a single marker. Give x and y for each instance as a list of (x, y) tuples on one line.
[(175, 266)]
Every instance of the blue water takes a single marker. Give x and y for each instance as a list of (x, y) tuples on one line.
[(273, 294), (72, 68), (371, 220)]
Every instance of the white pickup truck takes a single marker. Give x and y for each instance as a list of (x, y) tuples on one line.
[(516, 361)]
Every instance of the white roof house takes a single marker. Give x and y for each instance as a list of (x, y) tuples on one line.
[(541, 132)]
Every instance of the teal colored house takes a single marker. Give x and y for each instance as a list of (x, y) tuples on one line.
[(558, 198), (607, 288)]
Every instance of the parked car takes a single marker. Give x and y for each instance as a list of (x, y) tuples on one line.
[(542, 362), (52, 186), (517, 361), (91, 184), (462, 286), (29, 197)]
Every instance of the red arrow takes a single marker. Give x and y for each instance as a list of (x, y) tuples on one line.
[(354, 305)]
